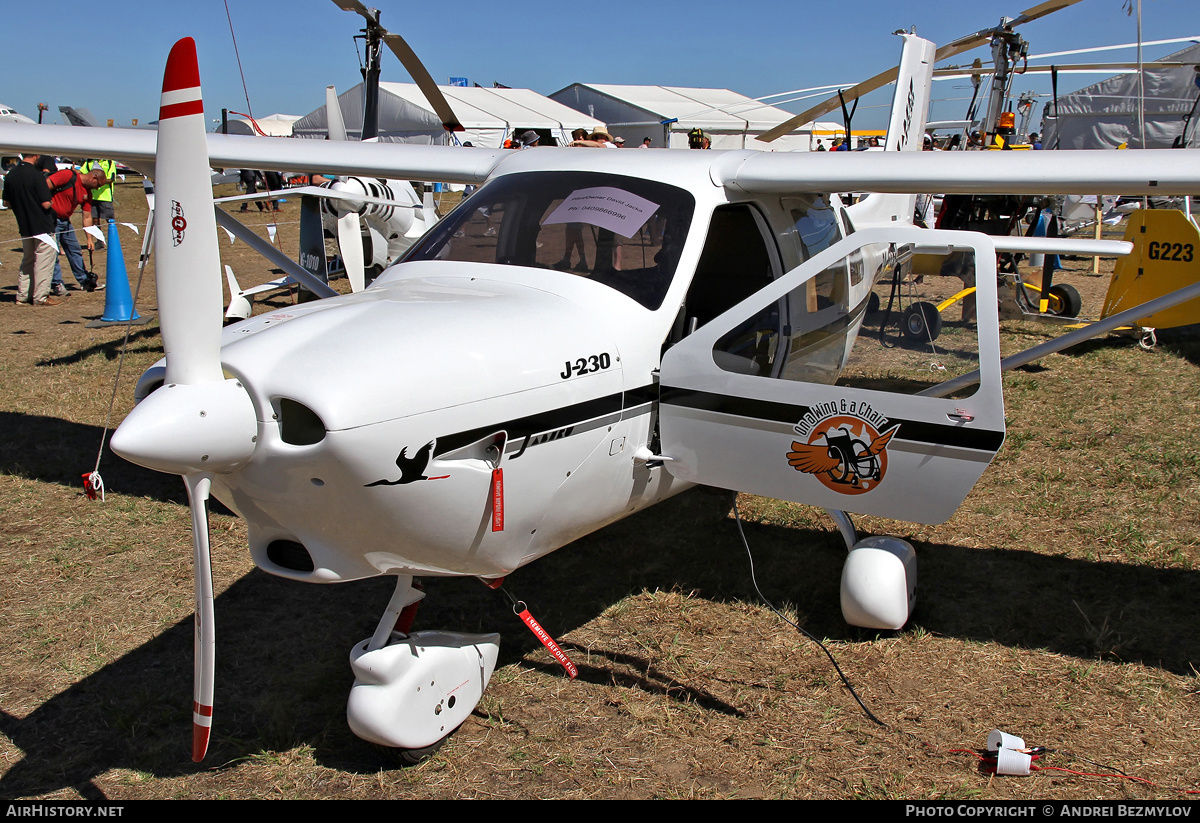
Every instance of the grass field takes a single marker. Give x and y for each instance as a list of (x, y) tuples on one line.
[(1058, 604)]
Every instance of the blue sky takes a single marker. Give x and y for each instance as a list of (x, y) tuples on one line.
[(291, 49)]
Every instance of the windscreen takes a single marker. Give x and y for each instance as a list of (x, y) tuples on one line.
[(624, 232)]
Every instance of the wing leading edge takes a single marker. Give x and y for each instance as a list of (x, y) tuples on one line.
[(449, 164), (1149, 171)]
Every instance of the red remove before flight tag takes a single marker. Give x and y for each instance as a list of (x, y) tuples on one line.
[(497, 500), (549, 643)]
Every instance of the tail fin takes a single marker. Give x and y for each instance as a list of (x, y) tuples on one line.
[(910, 105), (906, 130)]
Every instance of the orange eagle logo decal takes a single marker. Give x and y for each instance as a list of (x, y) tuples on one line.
[(845, 453)]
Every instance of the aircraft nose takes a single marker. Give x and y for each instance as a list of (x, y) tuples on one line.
[(184, 428)]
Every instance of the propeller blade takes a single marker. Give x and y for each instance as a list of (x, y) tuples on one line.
[(413, 65), (186, 250), (205, 650), (883, 78), (335, 126), (351, 247), (379, 247)]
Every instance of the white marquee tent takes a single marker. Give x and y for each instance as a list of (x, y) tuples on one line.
[(273, 125), (490, 116), (666, 114), (1104, 115)]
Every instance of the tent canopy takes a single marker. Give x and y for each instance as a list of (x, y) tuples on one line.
[(489, 116), (667, 113), (273, 125), (1104, 115)]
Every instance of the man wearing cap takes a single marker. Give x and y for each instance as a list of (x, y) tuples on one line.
[(529, 138), (26, 193), (71, 190), (620, 141)]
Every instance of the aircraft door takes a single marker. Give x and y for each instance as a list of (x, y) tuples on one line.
[(738, 260), (858, 444)]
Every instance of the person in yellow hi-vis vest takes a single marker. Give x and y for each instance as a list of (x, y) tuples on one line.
[(102, 197)]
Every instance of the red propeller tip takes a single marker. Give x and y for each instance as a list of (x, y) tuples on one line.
[(199, 742), (201, 727)]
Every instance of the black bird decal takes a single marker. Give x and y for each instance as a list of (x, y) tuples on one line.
[(412, 468)]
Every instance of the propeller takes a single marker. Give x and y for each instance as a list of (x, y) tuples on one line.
[(198, 424), (884, 77), (408, 58)]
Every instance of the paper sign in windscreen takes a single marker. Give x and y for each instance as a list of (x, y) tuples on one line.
[(609, 208)]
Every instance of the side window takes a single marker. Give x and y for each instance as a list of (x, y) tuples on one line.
[(820, 327), (736, 262), (816, 225)]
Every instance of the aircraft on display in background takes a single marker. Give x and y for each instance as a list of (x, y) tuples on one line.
[(589, 333), (10, 115), (374, 220)]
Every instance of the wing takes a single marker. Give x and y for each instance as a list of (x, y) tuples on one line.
[(880, 442), (136, 147), (811, 459), (1168, 171), (1150, 171)]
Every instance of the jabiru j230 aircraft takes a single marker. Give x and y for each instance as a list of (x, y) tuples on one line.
[(589, 333)]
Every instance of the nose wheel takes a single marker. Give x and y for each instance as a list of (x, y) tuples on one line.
[(412, 691)]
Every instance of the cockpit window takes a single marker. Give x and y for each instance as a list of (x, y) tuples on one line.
[(624, 232)]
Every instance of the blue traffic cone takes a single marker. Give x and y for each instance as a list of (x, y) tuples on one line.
[(1040, 231), (118, 302)]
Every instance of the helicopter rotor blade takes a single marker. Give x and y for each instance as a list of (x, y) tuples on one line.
[(413, 65), (884, 77)]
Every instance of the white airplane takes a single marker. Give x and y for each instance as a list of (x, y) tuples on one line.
[(10, 115), (588, 334)]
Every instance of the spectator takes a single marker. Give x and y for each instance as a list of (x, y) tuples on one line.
[(274, 182), (28, 195), (646, 141), (103, 204), (248, 179), (71, 190)]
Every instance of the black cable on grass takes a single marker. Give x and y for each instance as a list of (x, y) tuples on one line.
[(738, 518)]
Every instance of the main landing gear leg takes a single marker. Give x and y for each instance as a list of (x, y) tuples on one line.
[(879, 578), (411, 691)]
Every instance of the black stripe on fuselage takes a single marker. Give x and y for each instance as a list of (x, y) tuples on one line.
[(578, 417), (918, 431)]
